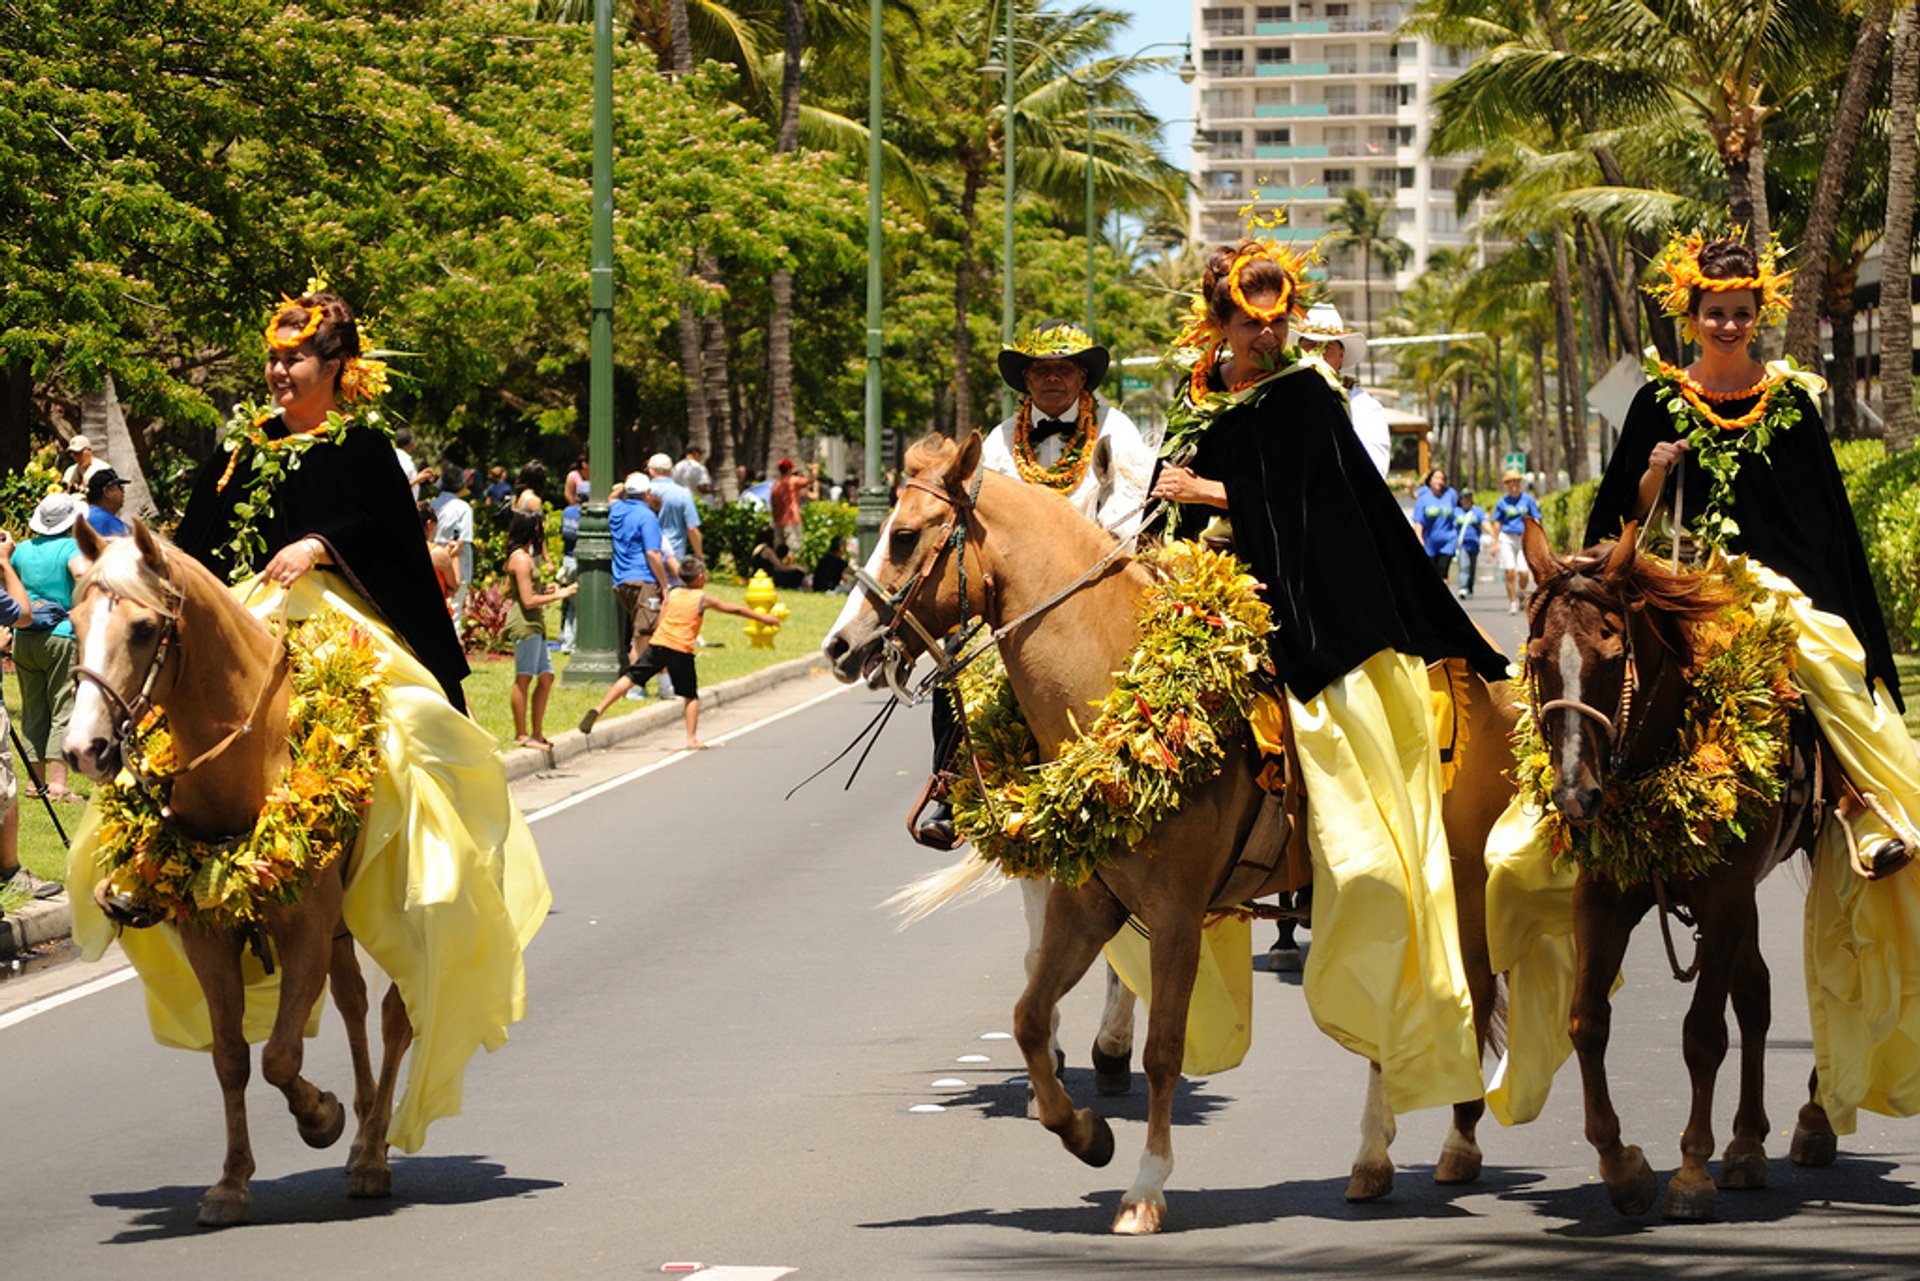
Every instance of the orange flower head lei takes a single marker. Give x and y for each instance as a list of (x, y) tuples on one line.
[(1678, 274), (1203, 336), (362, 377)]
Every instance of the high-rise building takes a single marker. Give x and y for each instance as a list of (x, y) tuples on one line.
[(1304, 101)]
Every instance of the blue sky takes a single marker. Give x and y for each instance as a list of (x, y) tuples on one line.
[(1155, 20)]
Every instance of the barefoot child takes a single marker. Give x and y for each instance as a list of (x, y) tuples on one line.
[(672, 646)]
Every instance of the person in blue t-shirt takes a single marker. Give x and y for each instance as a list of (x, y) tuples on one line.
[(1433, 505), (106, 494), (1507, 521), (639, 564), (1467, 518)]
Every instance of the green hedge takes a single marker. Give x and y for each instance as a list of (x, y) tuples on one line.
[(1885, 493), (731, 530), (1564, 515)]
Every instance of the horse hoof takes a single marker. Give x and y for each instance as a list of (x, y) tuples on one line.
[(1458, 1165), (371, 1183), (1112, 1073), (1691, 1203), (332, 1125), (1813, 1147), (1097, 1149), (1633, 1193), (1139, 1218), (1743, 1171), (225, 1207), (1370, 1182)]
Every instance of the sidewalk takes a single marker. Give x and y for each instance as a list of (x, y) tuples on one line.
[(30, 936)]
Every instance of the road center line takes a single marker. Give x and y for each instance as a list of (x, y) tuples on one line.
[(58, 999)]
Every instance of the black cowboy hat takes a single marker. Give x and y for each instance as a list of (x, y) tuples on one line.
[(1053, 340)]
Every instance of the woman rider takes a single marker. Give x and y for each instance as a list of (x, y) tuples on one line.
[(1357, 609), (308, 511), (1743, 450)]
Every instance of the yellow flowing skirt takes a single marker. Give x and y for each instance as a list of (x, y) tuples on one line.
[(1861, 940), (445, 889), (1384, 976)]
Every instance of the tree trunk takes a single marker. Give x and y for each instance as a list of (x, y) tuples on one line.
[(693, 376), (682, 37), (1500, 432), (1845, 377), (963, 272), (1366, 296), (1539, 452), (783, 433), (16, 415), (716, 389), (1619, 293), (1809, 282), (1573, 409), (1896, 250)]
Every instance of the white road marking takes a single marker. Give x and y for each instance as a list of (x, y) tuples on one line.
[(996, 1036), (728, 1272), (115, 977), (973, 1058), (927, 1107), (949, 1083), (111, 979)]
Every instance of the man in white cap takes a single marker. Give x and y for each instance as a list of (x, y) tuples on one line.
[(679, 515), (639, 565), (1323, 333), (85, 465)]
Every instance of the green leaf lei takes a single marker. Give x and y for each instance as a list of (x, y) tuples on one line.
[(1722, 771), (1720, 450), (269, 462), (311, 817), (1160, 733)]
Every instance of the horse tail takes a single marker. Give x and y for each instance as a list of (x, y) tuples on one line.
[(968, 878)]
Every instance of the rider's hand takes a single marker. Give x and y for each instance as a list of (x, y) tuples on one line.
[(1176, 484), (1665, 454), (293, 560)]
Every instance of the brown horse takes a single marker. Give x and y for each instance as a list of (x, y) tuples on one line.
[(155, 629), (1023, 546), (1608, 651)]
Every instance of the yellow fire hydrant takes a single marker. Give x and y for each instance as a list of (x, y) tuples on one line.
[(761, 596)]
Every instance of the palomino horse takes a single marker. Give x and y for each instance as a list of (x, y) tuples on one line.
[(1610, 629), (1059, 660), (138, 614)]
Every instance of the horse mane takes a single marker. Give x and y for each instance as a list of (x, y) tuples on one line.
[(122, 571), (1673, 601)]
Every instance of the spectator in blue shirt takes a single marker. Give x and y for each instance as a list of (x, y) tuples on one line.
[(639, 567), (1433, 505), (679, 514), (1468, 518), (1509, 519), (106, 494)]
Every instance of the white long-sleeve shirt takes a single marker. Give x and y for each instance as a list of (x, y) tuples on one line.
[(1117, 508)]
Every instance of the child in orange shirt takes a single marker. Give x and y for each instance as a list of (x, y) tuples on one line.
[(671, 648)]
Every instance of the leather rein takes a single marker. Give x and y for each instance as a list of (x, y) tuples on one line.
[(129, 714)]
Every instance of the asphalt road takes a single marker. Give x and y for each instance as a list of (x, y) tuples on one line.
[(727, 1041)]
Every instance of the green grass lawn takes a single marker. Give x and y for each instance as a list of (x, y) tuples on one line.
[(1909, 668), (43, 853)]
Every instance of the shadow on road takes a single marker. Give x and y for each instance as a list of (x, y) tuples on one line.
[(320, 1196), (1193, 1103)]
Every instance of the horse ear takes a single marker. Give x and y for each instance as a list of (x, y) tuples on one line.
[(149, 545), (88, 539), (1539, 553), (1103, 462), (960, 474), (1621, 560)]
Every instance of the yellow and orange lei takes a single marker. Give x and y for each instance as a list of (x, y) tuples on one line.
[(1066, 474), (1701, 400)]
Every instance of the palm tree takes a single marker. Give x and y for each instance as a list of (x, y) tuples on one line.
[(1896, 251), (783, 435), (1368, 227)]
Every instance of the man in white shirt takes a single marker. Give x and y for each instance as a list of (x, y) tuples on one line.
[(85, 465), (1323, 334), (690, 473), (453, 515)]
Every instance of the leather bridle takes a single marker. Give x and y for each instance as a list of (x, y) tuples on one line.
[(1617, 730), (895, 608)]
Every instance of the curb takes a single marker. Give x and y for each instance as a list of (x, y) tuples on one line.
[(40, 921), (43, 921), (522, 762)]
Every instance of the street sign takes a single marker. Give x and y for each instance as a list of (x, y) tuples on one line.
[(1129, 383), (1514, 462)]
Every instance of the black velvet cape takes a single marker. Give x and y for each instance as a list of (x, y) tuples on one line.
[(350, 493), (1790, 504), (1344, 573)]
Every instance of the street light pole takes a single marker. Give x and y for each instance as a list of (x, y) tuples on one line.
[(873, 491), (1091, 228), (1006, 262), (593, 661)]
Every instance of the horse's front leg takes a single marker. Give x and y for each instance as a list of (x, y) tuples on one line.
[(1726, 921), (1113, 1043), (1175, 962), (303, 937), (1033, 906), (1078, 922), (1744, 1163), (1460, 1158), (368, 1174), (1603, 920), (1814, 1142), (1372, 1176), (215, 959)]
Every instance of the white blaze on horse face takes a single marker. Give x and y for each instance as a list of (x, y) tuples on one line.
[(1570, 664), (858, 596), (91, 719)]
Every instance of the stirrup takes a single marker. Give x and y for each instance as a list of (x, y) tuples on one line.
[(935, 831), (120, 908)]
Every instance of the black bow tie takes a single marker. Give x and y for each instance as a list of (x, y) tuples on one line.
[(1045, 427)]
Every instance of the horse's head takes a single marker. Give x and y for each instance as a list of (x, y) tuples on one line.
[(1603, 626), (126, 612), (909, 590)]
